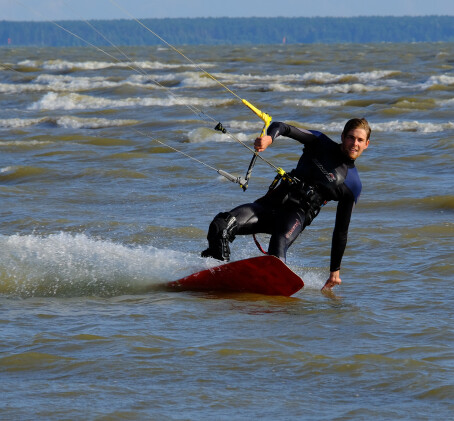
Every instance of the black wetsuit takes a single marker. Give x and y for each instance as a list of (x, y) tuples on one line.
[(324, 173)]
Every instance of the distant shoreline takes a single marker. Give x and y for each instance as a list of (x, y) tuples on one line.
[(231, 31)]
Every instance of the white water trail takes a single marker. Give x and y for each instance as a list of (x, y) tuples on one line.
[(77, 265)]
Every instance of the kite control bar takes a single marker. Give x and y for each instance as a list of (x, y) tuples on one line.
[(243, 181)]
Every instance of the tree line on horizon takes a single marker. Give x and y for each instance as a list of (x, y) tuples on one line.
[(230, 31)]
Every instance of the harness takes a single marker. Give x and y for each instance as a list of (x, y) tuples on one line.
[(289, 190), (286, 189)]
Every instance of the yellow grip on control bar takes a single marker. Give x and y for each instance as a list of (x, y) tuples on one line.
[(264, 116)]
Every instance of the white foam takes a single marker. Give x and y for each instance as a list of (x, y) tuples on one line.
[(388, 126), (29, 63), (61, 83), (7, 88), (314, 77), (313, 278), (71, 122), (204, 135), (65, 65), (364, 77), (412, 126), (27, 143), (139, 80), (71, 83), (77, 265), (246, 125), (330, 89), (319, 82), (317, 103), (68, 122), (197, 80), (73, 101), (67, 83), (333, 127), (447, 80), (445, 102), (17, 123)]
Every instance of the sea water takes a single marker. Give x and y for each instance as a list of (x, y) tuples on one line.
[(99, 210)]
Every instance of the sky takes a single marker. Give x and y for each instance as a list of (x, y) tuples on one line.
[(42, 10)]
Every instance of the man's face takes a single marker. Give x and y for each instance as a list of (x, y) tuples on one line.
[(354, 143)]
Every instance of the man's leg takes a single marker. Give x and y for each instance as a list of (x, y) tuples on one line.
[(287, 227), (222, 230), (243, 220)]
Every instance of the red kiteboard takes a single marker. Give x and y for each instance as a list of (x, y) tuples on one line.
[(258, 275)]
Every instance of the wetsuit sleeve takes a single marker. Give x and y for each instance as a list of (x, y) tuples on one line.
[(282, 129), (340, 233)]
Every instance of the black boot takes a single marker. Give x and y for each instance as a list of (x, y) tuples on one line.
[(220, 233)]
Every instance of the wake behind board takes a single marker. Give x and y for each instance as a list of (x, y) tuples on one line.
[(266, 275)]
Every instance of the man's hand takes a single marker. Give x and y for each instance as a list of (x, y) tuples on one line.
[(334, 279), (261, 143)]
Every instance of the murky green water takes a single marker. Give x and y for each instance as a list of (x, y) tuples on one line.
[(96, 214)]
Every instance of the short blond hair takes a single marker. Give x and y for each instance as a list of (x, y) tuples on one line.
[(356, 123)]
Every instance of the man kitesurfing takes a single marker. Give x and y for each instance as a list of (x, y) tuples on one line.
[(325, 171)]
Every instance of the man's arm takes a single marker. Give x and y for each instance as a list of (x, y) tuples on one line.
[(277, 129), (282, 129), (340, 233), (339, 240)]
